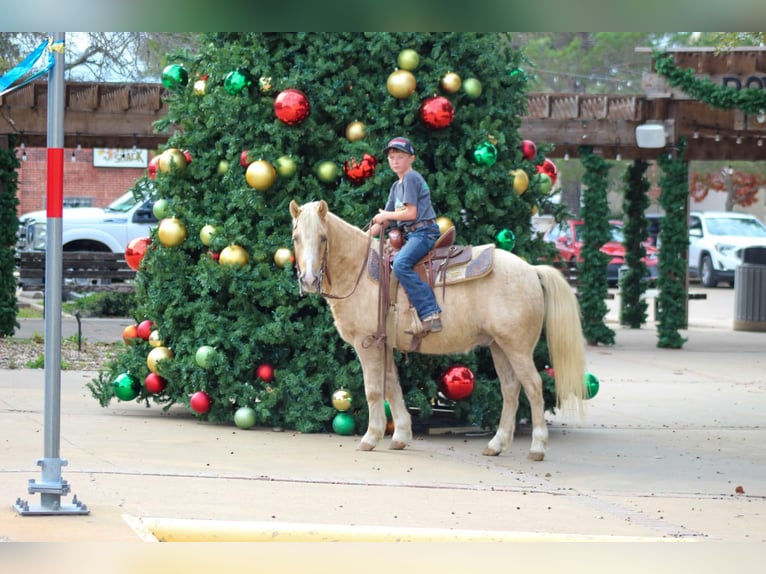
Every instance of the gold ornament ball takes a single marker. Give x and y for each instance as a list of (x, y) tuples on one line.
[(234, 255), (206, 234), (283, 257), (520, 181), (327, 171), (200, 87), (261, 175), (451, 83), (223, 167), (401, 84), (170, 159), (472, 88), (264, 84), (444, 223), (171, 232), (408, 59), (154, 339), (286, 166), (156, 355), (356, 131), (341, 400)]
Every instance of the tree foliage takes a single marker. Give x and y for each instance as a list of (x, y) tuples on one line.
[(9, 225), (633, 305)]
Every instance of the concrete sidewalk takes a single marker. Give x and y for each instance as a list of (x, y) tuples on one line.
[(671, 448)]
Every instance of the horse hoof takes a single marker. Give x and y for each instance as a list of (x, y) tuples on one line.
[(365, 446), (489, 452), (536, 456), (398, 445)]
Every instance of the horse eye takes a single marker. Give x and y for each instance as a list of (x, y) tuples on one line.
[(323, 238), (296, 238)]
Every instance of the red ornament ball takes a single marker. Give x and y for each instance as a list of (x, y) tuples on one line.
[(145, 329), (154, 383), (244, 158), (549, 168), (437, 112), (154, 165), (200, 402), (528, 150), (359, 171), (457, 382), (265, 372), (292, 106), (135, 251)]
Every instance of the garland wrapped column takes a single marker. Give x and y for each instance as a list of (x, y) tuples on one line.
[(674, 238), (9, 225), (633, 285), (593, 282)]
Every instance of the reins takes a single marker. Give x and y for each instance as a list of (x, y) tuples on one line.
[(326, 271)]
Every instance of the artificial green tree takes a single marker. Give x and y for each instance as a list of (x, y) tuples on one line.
[(633, 305), (221, 104), (593, 281), (9, 226)]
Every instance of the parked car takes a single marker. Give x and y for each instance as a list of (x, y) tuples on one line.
[(567, 237), (716, 240)]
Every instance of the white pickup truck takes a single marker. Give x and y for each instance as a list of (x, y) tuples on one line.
[(91, 228)]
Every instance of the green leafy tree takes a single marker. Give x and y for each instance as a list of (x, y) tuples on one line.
[(633, 305), (253, 314), (9, 225)]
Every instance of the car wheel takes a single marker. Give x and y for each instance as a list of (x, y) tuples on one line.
[(707, 273)]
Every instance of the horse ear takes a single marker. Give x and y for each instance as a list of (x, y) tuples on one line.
[(295, 209), (323, 209)]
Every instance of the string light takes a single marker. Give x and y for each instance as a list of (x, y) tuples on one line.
[(760, 142), (739, 140), (717, 137)]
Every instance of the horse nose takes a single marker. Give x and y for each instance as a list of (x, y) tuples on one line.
[(309, 282)]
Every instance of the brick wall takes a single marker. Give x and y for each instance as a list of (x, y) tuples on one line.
[(81, 180)]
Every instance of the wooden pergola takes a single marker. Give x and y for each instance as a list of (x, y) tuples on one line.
[(118, 115)]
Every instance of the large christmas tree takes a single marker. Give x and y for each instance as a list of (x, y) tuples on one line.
[(260, 119)]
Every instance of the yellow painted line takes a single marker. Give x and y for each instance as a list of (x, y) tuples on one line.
[(187, 530)]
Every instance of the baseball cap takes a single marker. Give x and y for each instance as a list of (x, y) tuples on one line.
[(402, 144)]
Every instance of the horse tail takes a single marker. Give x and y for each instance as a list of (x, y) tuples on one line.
[(563, 331)]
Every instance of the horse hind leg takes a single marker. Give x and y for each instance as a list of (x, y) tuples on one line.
[(525, 370), (509, 389)]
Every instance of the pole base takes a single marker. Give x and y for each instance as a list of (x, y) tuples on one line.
[(55, 508)]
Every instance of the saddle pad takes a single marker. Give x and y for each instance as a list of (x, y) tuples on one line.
[(479, 265)]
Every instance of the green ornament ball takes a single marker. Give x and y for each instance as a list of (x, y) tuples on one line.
[(126, 387), (236, 81), (244, 417), (506, 239), (174, 76), (387, 408), (343, 424), (591, 385), (485, 154)]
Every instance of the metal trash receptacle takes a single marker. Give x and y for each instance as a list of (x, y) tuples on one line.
[(750, 291)]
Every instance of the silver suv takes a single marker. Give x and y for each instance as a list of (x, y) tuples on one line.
[(716, 240)]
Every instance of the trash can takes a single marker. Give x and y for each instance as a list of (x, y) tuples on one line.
[(750, 291)]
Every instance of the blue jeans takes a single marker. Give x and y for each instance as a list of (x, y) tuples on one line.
[(418, 244)]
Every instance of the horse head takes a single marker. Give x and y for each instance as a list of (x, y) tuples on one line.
[(310, 243)]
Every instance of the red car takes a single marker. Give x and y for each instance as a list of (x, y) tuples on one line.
[(567, 236)]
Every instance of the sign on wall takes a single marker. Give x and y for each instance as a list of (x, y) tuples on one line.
[(118, 157)]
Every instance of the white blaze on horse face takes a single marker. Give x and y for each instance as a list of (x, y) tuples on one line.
[(309, 241)]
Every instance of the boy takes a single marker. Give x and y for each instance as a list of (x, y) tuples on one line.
[(409, 207)]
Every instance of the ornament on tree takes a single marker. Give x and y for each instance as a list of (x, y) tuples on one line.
[(528, 150), (286, 166), (283, 257), (236, 81), (154, 165), (356, 131), (543, 182), (549, 168), (472, 88), (205, 356), (485, 154), (135, 251), (408, 59), (261, 175), (161, 208), (437, 112), (223, 167), (144, 329), (234, 256), (265, 372), (401, 83), (244, 158), (244, 417), (200, 402), (456, 383), (520, 181), (200, 86), (171, 232), (518, 74), (292, 106), (155, 340), (172, 159), (444, 223), (126, 387), (174, 76), (156, 355), (450, 83), (343, 424), (341, 400), (188, 156), (327, 171), (591, 385), (264, 84), (505, 239), (359, 171), (155, 384), (130, 334), (206, 234)]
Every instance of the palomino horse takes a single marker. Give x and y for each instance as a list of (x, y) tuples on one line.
[(503, 310)]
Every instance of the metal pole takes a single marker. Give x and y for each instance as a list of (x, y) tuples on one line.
[(51, 488)]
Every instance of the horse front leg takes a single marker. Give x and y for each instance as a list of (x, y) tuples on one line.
[(373, 367), (509, 390), (399, 412)]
